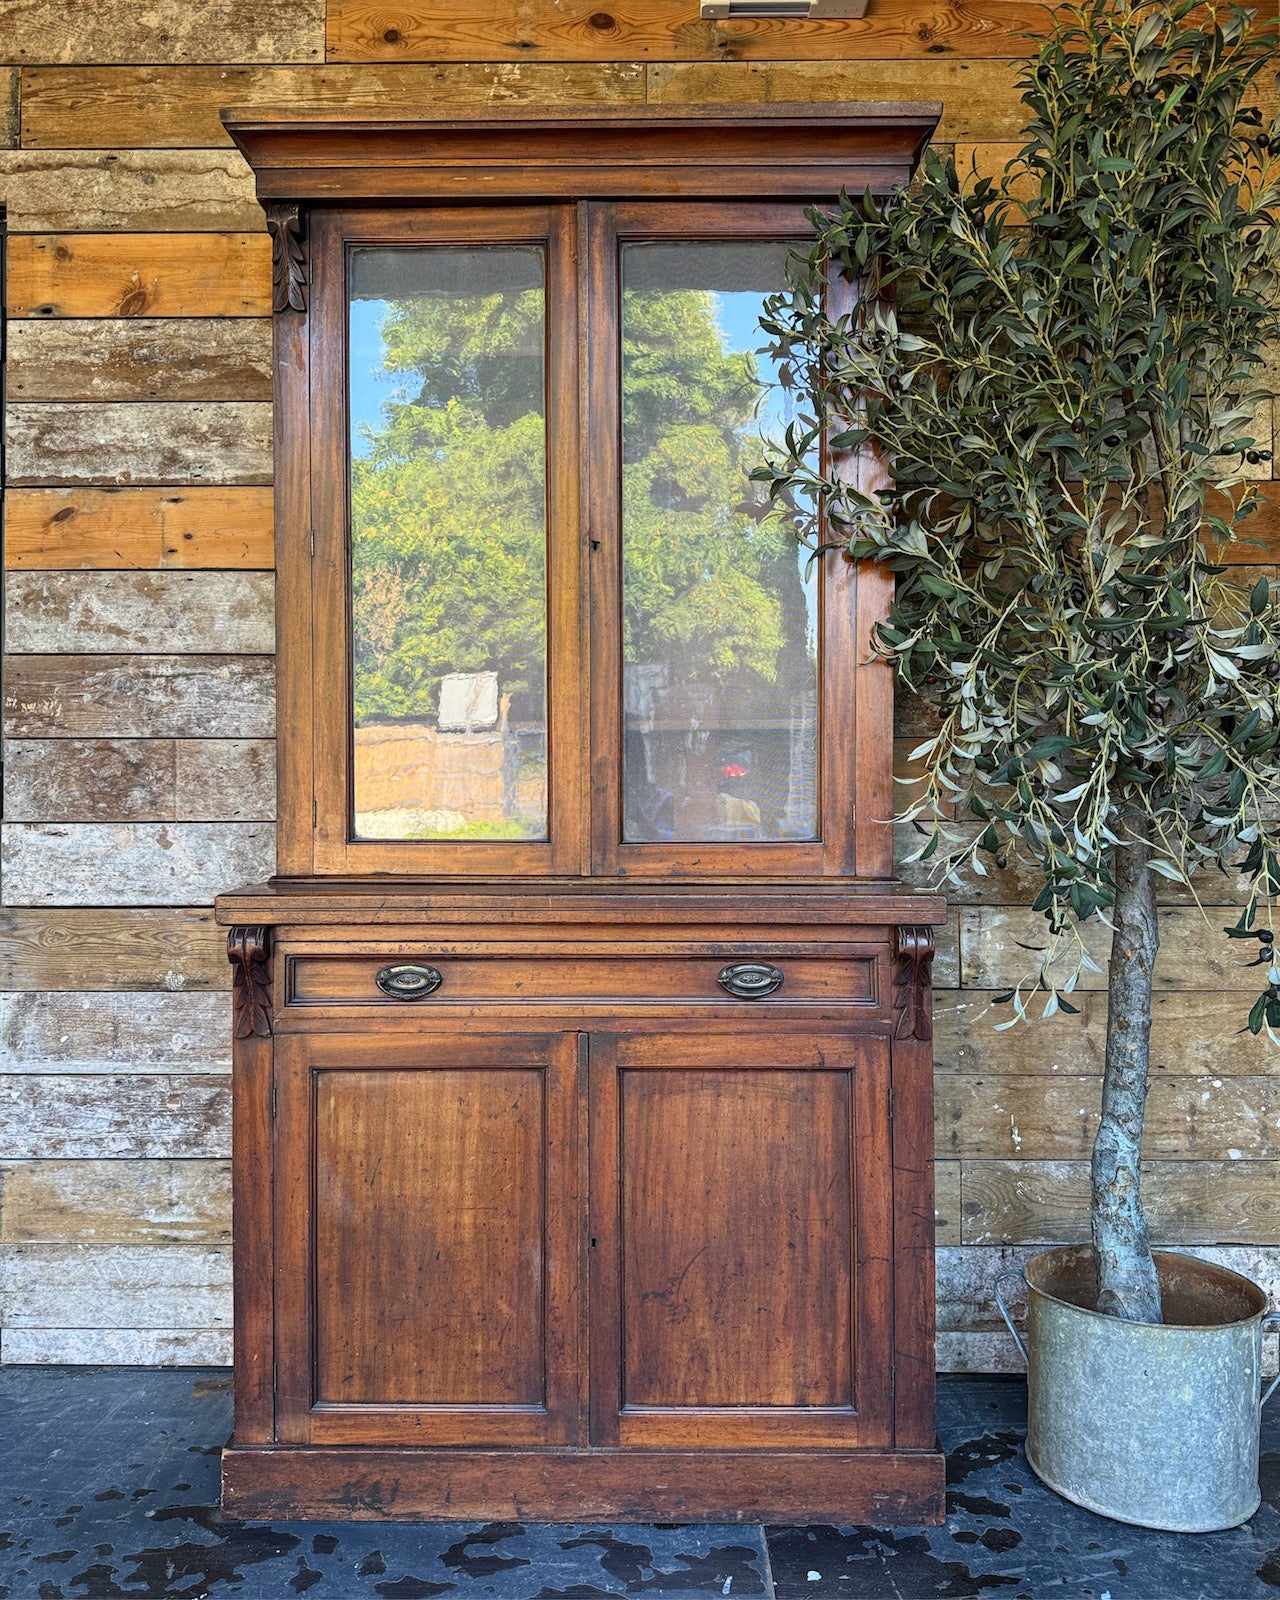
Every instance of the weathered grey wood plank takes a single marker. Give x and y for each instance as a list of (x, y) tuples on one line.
[(162, 358), (115, 1202), (967, 1274), (116, 1286), (946, 1202), (139, 275), (980, 98), (139, 780), (1194, 953), (180, 613), (165, 30), (116, 1347), (151, 191), (137, 1116), (1187, 1202), (64, 529), (1192, 1032), (177, 948), (978, 1352), (175, 107), (1054, 1119), (54, 1031), (131, 863), (213, 442), (140, 697)]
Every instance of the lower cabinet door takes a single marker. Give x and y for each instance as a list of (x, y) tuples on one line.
[(741, 1239), (428, 1239)]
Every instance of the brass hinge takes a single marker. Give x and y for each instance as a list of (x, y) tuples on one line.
[(315, 812), (313, 544), (273, 1099), (890, 1099)]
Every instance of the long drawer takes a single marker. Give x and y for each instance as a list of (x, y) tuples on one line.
[(403, 980)]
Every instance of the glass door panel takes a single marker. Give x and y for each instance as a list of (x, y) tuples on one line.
[(447, 408), (720, 603)]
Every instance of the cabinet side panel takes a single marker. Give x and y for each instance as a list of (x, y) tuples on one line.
[(429, 1204), (914, 1291), (294, 833), (253, 1235)]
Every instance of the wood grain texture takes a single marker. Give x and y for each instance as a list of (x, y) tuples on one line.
[(53, 1031), (112, 950), (462, 1153), (139, 780), (946, 1202), (665, 30), (110, 613), (138, 275), (742, 1486), (1186, 1202), (1194, 952), (120, 1347), (116, 1286), (153, 191), (115, 1202), (117, 528), (215, 442), (167, 30), (132, 107), (157, 358), (980, 98), (139, 697), (131, 863), (1054, 1119), (9, 121), (1194, 1031), (768, 1156), (66, 1117)]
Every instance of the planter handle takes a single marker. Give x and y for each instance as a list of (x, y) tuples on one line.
[(1016, 1272), (1270, 1323)]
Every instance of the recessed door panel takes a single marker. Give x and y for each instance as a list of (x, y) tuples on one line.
[(740, 1223), (439, 1192), (430, 1214)]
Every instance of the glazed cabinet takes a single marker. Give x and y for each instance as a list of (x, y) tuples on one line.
[(582, 1096)]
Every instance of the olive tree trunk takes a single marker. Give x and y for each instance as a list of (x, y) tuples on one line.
[(1127, 1281)]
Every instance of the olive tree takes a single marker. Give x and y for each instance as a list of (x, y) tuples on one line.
[(1063, 372)]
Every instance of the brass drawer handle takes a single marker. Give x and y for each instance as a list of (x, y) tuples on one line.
[(750, 980), (409, 983)]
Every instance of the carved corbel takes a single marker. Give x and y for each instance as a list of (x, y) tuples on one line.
[(912, 983), (249, 951), (287, 226)]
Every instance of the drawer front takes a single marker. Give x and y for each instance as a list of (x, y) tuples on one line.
[(403, 981)]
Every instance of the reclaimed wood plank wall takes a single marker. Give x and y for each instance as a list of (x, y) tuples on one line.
[(138, 688)]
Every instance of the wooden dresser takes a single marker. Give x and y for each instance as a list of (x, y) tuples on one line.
[(582, 1080)]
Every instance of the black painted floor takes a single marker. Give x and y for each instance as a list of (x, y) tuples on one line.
[(110, 1489)]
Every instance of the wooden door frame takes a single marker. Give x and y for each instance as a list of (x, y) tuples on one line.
[(326, 660), (870, 1421), (300, 1417)]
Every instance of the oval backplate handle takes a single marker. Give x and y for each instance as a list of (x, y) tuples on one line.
[(750, 980), (409, 982)]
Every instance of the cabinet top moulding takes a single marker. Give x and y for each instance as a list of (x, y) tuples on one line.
[(796, 150)]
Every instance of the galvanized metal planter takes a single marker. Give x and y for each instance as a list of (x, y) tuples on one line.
[(1151, 1425)]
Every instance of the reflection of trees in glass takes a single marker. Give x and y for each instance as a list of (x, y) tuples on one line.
[(705, 565), (448, 508), (448, 504)]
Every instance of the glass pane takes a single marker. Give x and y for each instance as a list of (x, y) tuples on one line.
[(448, 542), (719, 601)]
